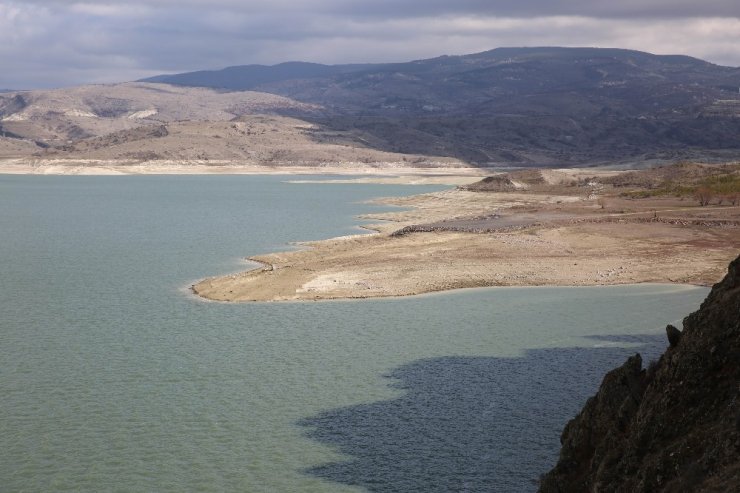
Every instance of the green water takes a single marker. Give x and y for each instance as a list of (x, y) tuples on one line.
[(114, 378)]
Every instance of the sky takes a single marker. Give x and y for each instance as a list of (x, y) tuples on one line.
[(58, 43)]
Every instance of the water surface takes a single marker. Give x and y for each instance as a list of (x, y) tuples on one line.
[(113, 378)]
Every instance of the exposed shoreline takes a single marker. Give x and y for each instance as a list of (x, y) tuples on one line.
[(586, 252), (313, 280), (93, 167), (455, 239)]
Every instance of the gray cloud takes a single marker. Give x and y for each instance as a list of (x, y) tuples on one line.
[(425, 8), (55, 43)]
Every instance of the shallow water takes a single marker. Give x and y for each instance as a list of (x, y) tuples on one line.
[(114, 378)]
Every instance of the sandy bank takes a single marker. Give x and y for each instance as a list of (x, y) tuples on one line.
[(375, 174), (596, 248), (379, 265)]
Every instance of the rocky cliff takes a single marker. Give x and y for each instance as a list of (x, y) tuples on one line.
[(674, 426)]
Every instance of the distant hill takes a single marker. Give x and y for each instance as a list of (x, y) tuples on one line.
[(559, 106), (486, 83), (138, 122), (520, 107), (62, 115), (246, 77)]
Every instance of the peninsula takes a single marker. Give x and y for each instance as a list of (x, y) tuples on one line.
[(674, 224)]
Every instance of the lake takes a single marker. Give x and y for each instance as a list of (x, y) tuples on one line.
[(114, 377)]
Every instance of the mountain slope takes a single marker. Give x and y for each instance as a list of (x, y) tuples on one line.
[(63, 115), (244, 77), (137, 122), (483, 82), (509, 106), (268, 140), (557, 106)]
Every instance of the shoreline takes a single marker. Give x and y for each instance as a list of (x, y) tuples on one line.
[(454, 239), (201, 290), (382, 265), (388, 172), (321, 273), (189, 290)]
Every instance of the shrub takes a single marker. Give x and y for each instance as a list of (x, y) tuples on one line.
[(703, 195)]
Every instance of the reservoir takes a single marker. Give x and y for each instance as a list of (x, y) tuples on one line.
[(113, 377)]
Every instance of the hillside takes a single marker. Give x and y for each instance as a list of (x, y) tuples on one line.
[(147, 121), (248, 77), (484, 83), (674, 426), (552, 107), (63, 115), (549, 106), (269, 140)]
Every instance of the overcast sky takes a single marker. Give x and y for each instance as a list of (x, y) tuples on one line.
[(53, 43)]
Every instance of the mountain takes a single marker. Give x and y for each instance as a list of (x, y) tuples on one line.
[(137, 122), (246, 77), (62, 115), (517, 81), (674, 426), (558, 106)]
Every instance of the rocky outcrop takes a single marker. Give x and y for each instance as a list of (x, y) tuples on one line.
[(496, 183), (674, 426)]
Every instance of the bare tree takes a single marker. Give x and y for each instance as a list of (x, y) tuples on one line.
[(703, 195)]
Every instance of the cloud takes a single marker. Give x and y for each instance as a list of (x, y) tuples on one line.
[(55, 42), (665, 9)]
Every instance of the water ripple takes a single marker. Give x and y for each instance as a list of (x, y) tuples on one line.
[(467, 423)]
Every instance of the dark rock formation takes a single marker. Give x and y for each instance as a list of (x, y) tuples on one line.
[(497, 183), (672, 427), (674, 335)]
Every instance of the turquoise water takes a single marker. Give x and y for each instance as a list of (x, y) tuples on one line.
[(114, 378)]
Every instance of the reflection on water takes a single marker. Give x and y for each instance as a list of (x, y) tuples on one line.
[(468, 423)]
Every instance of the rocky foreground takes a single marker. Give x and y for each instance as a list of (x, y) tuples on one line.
[(674, 426)]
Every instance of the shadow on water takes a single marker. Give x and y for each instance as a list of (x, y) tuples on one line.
[(469, 423)]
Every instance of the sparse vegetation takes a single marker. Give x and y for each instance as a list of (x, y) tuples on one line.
[(705, 183), (704, 195)]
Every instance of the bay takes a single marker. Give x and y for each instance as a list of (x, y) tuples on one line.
[(114, 378)]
